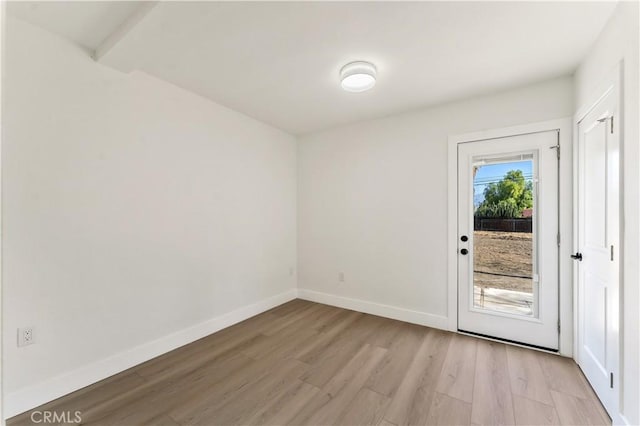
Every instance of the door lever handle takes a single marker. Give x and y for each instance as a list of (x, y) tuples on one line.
[(577, 256)]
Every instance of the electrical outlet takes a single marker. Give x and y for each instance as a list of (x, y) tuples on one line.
[(341, 277), (26, 336)]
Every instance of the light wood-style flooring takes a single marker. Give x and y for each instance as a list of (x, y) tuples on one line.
[(304, 363)]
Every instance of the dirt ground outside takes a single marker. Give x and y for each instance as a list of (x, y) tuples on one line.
[(503, 260)]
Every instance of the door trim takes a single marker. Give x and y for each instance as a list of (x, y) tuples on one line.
[(565, 280)]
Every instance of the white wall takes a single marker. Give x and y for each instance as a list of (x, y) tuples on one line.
[(619, 42), (131, 210), (372, 198)]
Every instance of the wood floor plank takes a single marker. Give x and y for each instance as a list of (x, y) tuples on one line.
[(322, 317), (343, 387), (367, 408), (87, 399), (388, 375), (346, 384), (314, 352), (283, 409), (526, 375), (171, 392), (188, 361), (181, 391), (563, 375), (576, 411), (138, 412), (458, 371), (295, 319), (492, 398), (446, 410), (530, 412), (222, 341), (160, 420), (288, 307), (331, 362), (366, 359), (386, 331), (330, 319), (269, 388), (317, 403), (338, 352), (203, 407), (304, 363), (411, 402), (281, 343), (593, 397)]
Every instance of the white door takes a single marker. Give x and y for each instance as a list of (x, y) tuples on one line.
[(598, 183), (508, 238)]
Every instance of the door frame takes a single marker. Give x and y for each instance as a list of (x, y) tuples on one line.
[(565, 176), (613, 81)]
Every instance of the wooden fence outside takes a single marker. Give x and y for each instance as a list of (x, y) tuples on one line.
[(523, 224)]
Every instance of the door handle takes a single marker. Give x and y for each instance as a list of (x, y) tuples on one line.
[(577, 256)]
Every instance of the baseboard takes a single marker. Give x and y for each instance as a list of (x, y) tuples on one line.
[(387, 311), (33, 396), (620, 419)]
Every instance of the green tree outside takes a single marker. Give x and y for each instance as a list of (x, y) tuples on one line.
[(508, 197)]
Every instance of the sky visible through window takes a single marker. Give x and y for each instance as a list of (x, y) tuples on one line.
[(492, 173)]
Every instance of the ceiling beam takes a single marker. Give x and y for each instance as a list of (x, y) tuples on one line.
[(123, 30)]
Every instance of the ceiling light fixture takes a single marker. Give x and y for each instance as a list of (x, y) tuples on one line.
[(358, 76)]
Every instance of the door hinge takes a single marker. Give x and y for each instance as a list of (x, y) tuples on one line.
[(557, 148), (612, 253), (611, 380), (606, 117), (558, 326), (558, 239), (612, 124)]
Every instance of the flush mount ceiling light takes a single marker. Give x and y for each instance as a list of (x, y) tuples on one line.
[(358, 76)]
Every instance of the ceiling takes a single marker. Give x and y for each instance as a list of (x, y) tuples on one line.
[(85, 23), (279, 61)]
